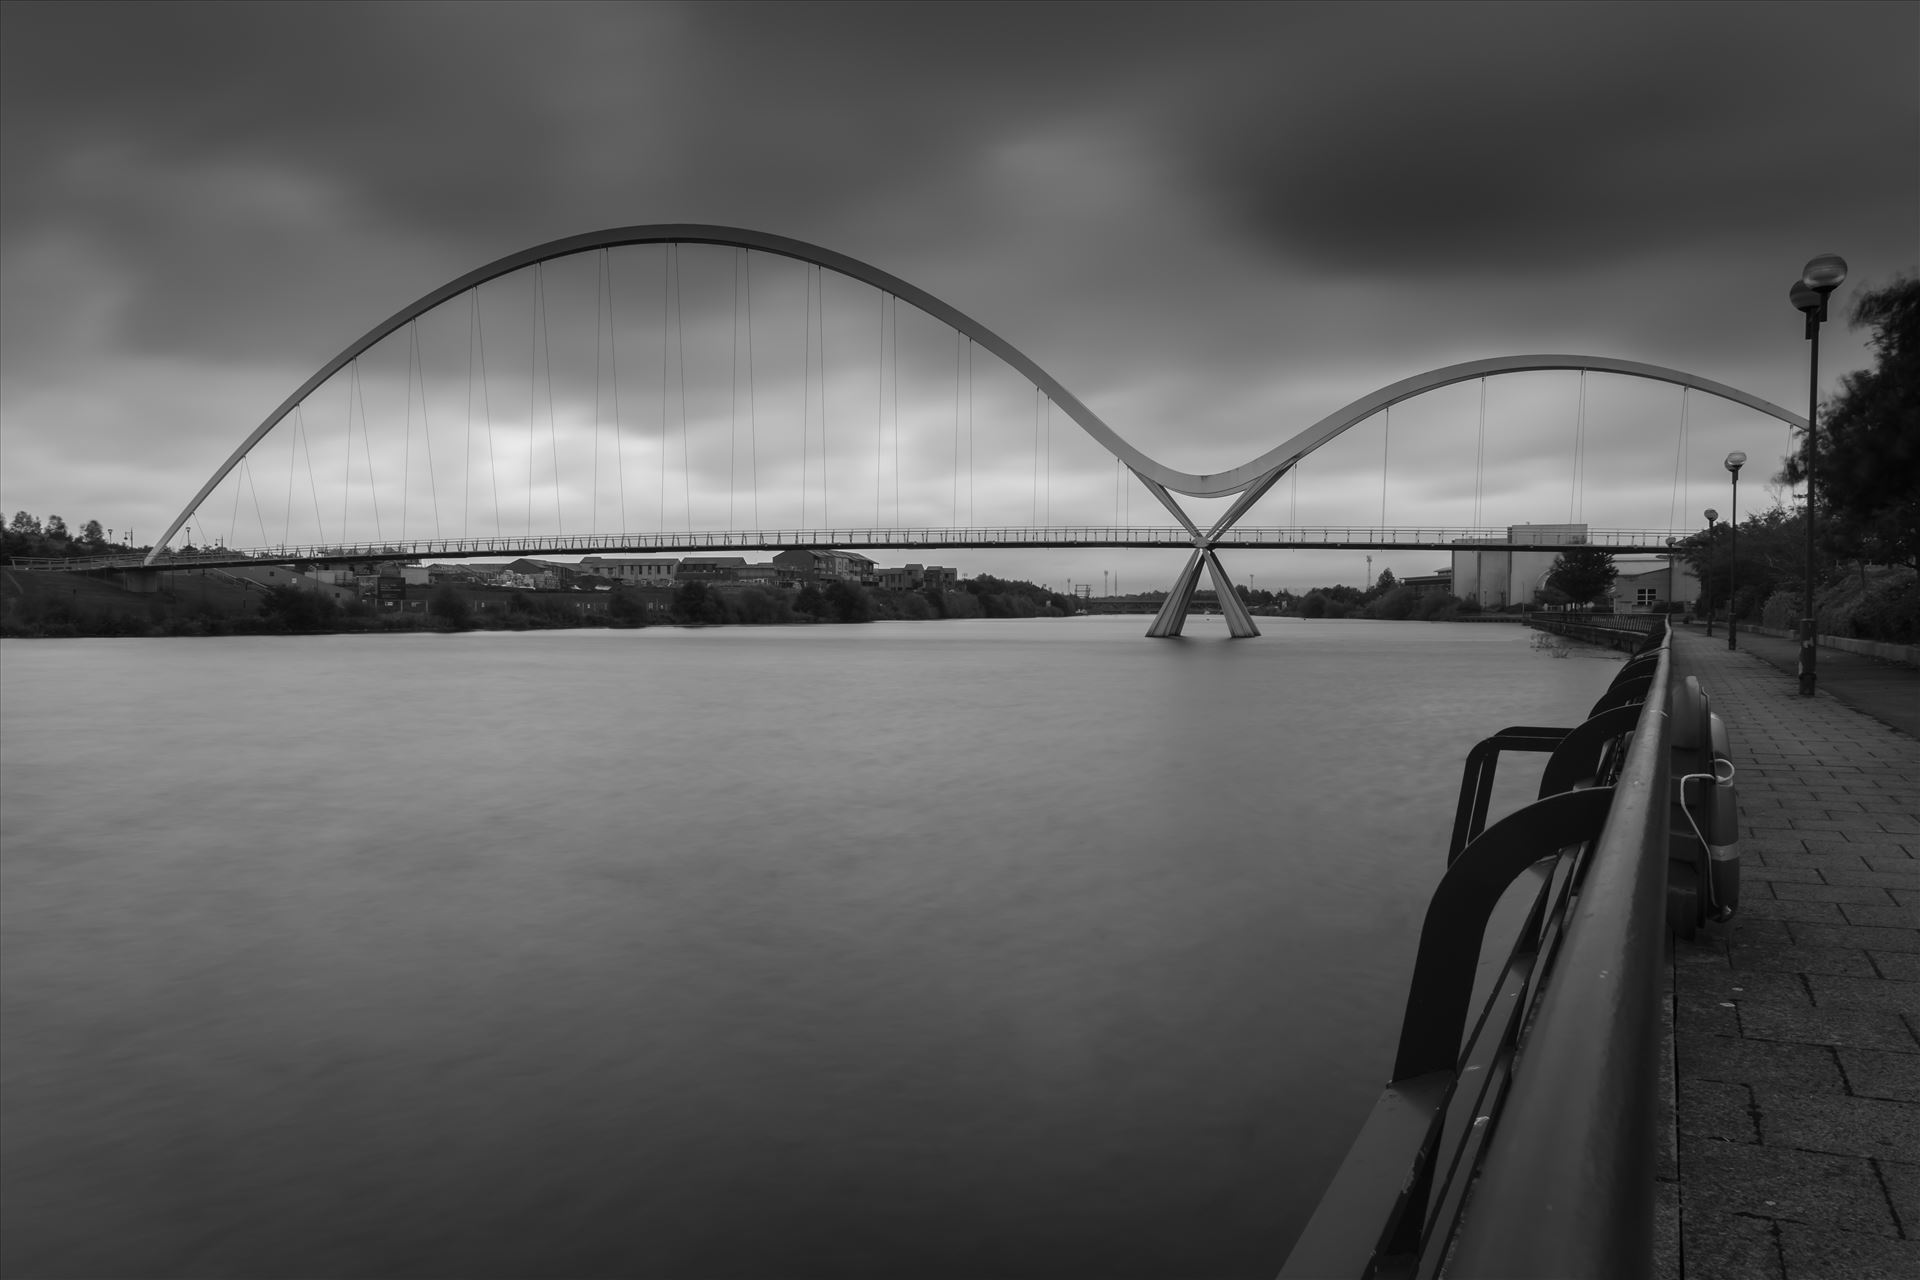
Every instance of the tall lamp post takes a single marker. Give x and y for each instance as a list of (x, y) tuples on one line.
[(1707, 584), (1809, 295), (1672, 555), (1734, 462)]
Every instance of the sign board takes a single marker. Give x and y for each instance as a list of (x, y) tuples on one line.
[(392, 588)]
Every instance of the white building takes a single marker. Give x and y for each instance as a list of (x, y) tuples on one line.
[(1494, 579)]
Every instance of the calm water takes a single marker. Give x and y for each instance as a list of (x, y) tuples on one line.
[(1017, 948)]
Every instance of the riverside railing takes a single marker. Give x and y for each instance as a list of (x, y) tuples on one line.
[(1523, 1144)]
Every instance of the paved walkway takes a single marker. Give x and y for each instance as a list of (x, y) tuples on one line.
[(1887, 691), (1796, 1055)]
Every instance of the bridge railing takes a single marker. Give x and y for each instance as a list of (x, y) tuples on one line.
[(907, 538), (1524, 1144)]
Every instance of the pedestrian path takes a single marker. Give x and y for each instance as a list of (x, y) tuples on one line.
[(1796, 1050)]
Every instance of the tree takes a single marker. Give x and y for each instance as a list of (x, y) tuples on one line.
[(24, 523), (56, 527), (1867, 481), (1583, 573), (92, 533), (450, 607)]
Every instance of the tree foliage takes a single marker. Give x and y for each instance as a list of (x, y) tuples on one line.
[(1867, 452), (1583, 573)]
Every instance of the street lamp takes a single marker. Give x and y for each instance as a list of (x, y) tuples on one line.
[(1707, 583), (1734, 462), (1809, 295), (1671, 557)]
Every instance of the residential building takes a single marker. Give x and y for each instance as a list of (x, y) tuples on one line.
[(1645, 586), (653, 571), (826, 564)]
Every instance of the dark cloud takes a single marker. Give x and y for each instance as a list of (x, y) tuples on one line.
[(1213, 223)]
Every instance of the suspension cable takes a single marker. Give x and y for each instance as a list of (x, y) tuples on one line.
[(1386, 442), (553, 432), (1579, 446), (958, 338), (753, 419), (486, 407), (366, 443), (666, 276), (1480, 456), (733, 395), (820, 297), (879, 403), (896, 412), (613, 374), (1677, 494), (313, 486), (254, 490), (293, 445), (426, 426)]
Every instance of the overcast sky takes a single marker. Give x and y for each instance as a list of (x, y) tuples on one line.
[(1213, 225)]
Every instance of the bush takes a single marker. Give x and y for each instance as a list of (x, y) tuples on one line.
[(450, 607)]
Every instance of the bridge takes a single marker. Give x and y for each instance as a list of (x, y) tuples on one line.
[(914, 415)]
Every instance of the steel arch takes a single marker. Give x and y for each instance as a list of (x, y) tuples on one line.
[(1254, 475)]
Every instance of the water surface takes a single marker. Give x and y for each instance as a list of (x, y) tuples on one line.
[(1015, 948)]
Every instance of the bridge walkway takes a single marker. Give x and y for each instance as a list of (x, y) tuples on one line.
[(1795, 1147)]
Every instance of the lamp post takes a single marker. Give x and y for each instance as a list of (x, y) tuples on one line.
[(1734, 462), (1707, 584), (1809, 295), (1671, 557)]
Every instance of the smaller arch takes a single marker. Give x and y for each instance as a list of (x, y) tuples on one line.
[(1275, 461)]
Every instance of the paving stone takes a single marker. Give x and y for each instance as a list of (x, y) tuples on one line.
[(1867, 847), (1879, 879), (1906, 897), (1801, 875), (1756, 930), (1893, 964), (1872, 1073), (1725, 1246), (1799, 857), (1666, 1229), (1708, 1016), (1831, 991), (1865, 937), (1847, 1028), (1832, 893), (1841, 1126), (1906, 864), (1807, 1067), (1902, 1180), (1719, 1111), (1778, 1182), (1743, 987), (1813, 1254), (1770, 957), (1752, 908), (1889, 915)]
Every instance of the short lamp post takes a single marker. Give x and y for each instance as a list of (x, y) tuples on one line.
[(1734, 462), (1707, 584), (1809, 296)]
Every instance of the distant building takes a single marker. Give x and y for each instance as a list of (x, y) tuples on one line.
[(1424, 583), (1495, 579), (653, 571), (915, 577), (709, 569), (1644, 586), (827, 564)]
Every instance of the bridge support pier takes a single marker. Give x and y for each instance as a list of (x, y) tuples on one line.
[(1172, 618)]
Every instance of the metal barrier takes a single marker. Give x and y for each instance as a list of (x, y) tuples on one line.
[(1524, 1144)]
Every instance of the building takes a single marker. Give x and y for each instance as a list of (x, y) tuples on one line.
[(1430, 582), (710, 569), (827, 564), (918, 577), (651, 572), (1648, 586), (1495, 579)]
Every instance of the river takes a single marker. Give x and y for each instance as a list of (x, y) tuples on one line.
[(960, 949)]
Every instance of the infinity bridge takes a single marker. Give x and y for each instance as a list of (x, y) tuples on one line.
[(702, 383)]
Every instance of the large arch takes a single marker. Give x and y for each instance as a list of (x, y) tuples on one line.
[(1250, 479)]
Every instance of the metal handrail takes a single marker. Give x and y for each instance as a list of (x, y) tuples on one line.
[(1553, 1085)]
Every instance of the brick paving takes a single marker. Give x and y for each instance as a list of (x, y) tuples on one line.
[(1795, 1065)]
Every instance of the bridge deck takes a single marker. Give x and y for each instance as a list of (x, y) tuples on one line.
[(1796, 1150)]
